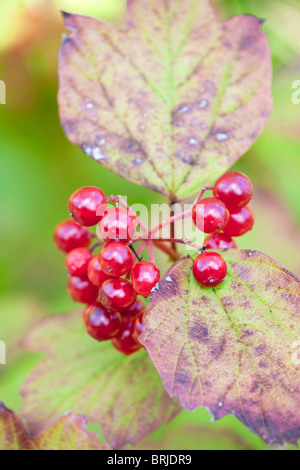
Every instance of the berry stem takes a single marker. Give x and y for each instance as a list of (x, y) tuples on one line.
[(170, 221), (96, 246), (151, 252), (119, 200), (135, 253), (183, 241), (204, 188), (174, 255)]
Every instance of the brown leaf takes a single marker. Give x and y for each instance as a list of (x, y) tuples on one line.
[(170, 102), (231, 348), (125, 395), (69, 433)]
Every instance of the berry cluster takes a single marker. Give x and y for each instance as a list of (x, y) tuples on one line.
[(223, 216), (110, 281)]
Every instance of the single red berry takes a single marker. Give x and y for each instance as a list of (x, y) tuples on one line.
[(81, 290), (100, 323), (117, 294), (234, 189), (78, 260), (240, 222), (68, 235), (138, 327), (95, 274), (219, 241), (134, 311), (87, 205), (144, 277), (210, 215), (116, 259), (124, 341), (117, 225), (209, 269)]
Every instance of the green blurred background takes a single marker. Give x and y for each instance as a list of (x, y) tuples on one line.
[(39, 169)]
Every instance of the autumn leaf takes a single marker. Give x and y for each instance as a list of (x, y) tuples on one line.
[(231, 348), (124, 395), (69, 433), (170, 102)]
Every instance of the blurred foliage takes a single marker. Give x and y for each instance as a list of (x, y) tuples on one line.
[(39, 169)]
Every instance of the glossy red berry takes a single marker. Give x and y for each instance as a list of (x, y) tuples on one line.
[(219, 241), (240, 222), (87, 205), (234, 189), (88, 309), (210, 215), (209, 269), (124, 340), (116, 259), (82, 290), (117, 294), (138, 328), (100, 323), (134, 311), (68, 235), (117, 225), (95, 274), (78, 260), (144, 277)]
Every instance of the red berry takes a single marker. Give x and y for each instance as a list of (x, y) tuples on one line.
[(117, 225), (95, 273), (210, 215), (78, 260), (138, 327), (84, 206), (116, 259), (124, 341), (69, 235), (117, 294), (209, 269), (219, 241), (100, 323), (81, 290), (234, 189), (134, 311), (240, 222), (144, 277)]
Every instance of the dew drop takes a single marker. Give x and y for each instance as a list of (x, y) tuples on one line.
[(142, 127), (97, 154), (221, 136), (169, 279), (220, 404), (193, 142), (203, 104), (89, 105), (184, 109)]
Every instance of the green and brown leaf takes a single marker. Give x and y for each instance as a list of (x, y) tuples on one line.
[(68, 433), (231, 348), (125, 395), (170, 102)]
